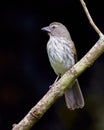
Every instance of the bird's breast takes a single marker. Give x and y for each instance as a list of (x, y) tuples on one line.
[(60, 55)]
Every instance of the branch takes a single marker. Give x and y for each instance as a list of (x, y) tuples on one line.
[(58, 89), (90, 19)]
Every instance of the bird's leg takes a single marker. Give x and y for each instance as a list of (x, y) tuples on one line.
[(58, 76)]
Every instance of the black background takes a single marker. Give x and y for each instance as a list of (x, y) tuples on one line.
[(25, 72)]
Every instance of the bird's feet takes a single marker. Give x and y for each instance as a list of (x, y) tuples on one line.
[(55, 81)]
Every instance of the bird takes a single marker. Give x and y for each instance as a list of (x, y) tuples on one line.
[(62, 56)]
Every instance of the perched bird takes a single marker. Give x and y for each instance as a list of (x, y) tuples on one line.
[(62, 56)]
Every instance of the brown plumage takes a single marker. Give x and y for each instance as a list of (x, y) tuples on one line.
[(62, 56)]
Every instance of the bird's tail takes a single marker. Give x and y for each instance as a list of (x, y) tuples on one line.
[(73, 96)]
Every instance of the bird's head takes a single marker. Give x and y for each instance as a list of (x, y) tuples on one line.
[(56, 29)]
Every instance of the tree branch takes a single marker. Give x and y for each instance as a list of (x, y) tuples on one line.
[(58, 89), (90, 18)]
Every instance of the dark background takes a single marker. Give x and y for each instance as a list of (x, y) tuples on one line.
[(25, 72)]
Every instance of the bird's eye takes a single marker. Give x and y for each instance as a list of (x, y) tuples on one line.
[(53, 27)]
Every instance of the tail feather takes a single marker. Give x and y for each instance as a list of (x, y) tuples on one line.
[(73, 96)]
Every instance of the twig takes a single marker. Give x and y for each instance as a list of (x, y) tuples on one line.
[(61, 85), (90, 19)]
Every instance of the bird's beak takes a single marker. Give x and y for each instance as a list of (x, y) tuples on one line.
[(47, 29)]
